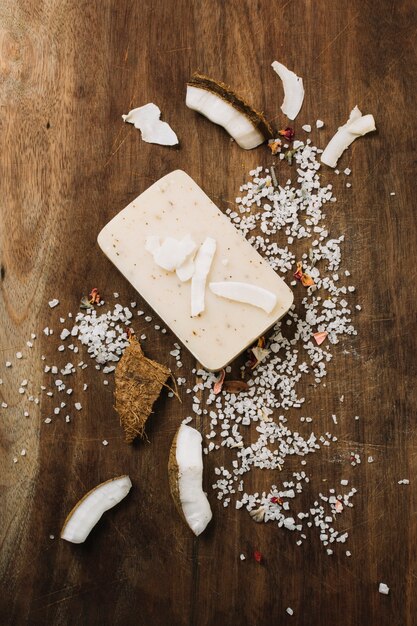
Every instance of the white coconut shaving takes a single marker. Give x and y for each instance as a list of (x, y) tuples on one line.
[(356, 126), (146, 119), (293, 90), (221, 112), (194, 503), (246, 293), (202, 267), (90, 509), (172, 253)]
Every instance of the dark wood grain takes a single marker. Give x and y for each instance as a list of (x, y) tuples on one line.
[(68, 71)]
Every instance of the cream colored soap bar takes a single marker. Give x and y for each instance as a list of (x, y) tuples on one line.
[(175, 206)]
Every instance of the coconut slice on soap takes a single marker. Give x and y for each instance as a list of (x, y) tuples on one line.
[(293, 90), (185, 470), (356, 126), (202, 267), (222, 106), (246, 293), (88, 511)]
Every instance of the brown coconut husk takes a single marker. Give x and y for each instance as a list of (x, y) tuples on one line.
[(138, 384), (173, 477), (223, 91)]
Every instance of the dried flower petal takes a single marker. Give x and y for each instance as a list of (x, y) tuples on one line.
[(299, 272), (218, 385), (257, 556), (94, 296), (277, 500), (320, 337), (275, 145), (338, 506), (306, 280), (288, 133), (85, 303)]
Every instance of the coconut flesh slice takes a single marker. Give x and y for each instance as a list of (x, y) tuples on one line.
[(87, 512), (356, 126), (146, 119), (185, 470), (202, 267), (247, 293), (172, 253), (222, 106), (293, 90)]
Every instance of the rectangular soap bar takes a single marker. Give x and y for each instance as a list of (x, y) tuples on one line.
[(175, 206)]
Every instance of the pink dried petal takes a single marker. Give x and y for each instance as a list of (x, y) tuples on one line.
[(219, 383), (320, 337)]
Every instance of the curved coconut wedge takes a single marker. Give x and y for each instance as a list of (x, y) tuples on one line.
[(222, 106), (87, 512), (185, 471), (356, 126), (293, 90), (245, 292)]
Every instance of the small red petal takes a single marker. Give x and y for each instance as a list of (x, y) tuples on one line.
[(219, 383), (257, 556)]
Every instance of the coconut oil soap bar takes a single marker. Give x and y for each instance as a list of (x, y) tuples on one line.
[(176, 207)]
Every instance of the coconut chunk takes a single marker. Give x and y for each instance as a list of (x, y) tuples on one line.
[(87, 512), (171, 253), (146, 119), (246, 293), (293, 90), (202, 267), (186, 270), (356, 126), (185, 470), (222, 106)]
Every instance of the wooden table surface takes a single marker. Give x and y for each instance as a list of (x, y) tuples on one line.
[(68, 70)]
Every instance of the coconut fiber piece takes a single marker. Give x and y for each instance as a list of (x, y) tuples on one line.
[(138, 383)]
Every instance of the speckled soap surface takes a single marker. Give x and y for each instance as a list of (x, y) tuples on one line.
[(176, 206)]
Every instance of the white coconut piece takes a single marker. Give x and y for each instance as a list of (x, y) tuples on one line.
[(186, 270), (202, 267), (293, 90), (187, 474), (152, 244), (146, 119), (221, 112), (246, 293), (356, 126), (87, 512), (171, 253)]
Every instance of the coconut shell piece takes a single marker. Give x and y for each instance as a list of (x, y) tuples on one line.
[(223, 91), (138, 384)]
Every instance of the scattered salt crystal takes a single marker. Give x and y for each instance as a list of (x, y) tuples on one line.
[(392, 193), (344, 482), (22, 390), (8, 364), (29, 344), (307, 128), (334, 418), (51, 536), (347, 171), (319, 123), (67, 418), (78, 406), (242, 557), (4, 405), (47, 420), (23, 452), (53, 303), (383, 588), (348, 553), (289, 611), (404, 481), (26, 413), (105, 442), (19, 355), (370, 459), (115, 295), (15, 459)]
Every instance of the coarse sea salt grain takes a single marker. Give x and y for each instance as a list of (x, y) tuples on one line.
[(53, 303), (383, 588)]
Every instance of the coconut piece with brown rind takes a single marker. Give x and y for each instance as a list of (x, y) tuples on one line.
[(262, 129), (138, 384)]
